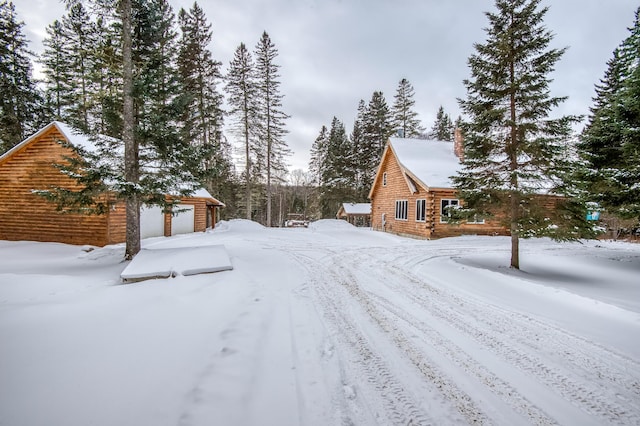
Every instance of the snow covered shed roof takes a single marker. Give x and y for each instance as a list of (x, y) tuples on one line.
[(357, 208)]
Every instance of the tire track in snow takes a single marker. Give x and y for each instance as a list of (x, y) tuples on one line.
[(505, 392), (377, 372), (499, 322)]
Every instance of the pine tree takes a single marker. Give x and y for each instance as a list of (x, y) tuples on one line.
[(203, 119), (362, 172), (145, 113), (58, 75), (271, 118), (405, 122), (609, 143), (79, 32), (377, 128), (107, 77), (318, 159), (442, 129), (338, 180), (241, 90), (21, 111), (513, 149)]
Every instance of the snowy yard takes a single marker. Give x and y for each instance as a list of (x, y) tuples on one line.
[(329, 325)]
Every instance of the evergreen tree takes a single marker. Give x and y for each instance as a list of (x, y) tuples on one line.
[(58, 74), (271, 118), (610, 141), (21, 111), (377, 128), (318, 159), (405, 122), (80, 34), (241, 90), (513, 150), (362, 172), (106, 76), (145, 113), (203, 119), (338, 183), (442, 129)]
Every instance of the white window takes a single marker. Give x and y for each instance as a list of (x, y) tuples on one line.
[(445, 208), (401, 209), (421, 210), (384, 179)]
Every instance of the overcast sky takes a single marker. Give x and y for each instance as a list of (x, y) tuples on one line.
[(333, 53)]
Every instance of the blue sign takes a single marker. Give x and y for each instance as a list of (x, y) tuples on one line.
[(593, 215)]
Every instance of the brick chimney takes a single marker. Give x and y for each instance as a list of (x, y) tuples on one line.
[(458, 144)]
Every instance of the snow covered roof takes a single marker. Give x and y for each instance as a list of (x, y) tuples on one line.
[(75, 136), (357, 208), (432, 162)]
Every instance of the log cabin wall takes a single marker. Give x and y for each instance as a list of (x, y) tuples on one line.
[(27, 216)]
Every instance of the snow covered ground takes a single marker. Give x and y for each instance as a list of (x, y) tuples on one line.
[(329, 325)]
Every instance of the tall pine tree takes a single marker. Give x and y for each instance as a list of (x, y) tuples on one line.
[(81, 39), (203, 116), (271, 117), (405, 120), (58, 74), (337, 175), (318, 160), (241, 90), (377, 128), (359, 160), (513, 150), (21, 111)]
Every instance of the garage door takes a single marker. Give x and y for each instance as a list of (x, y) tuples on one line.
[(183, 222), (151, 222)]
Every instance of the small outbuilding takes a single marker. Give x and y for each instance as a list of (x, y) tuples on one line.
[(358, 214), (31, 166)]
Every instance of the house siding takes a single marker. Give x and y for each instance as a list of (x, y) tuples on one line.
[(27, 216)]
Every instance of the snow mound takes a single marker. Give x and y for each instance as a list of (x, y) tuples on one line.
[(169, 262), (238, 225), (330, 225)]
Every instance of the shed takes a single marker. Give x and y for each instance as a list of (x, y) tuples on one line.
[(358, 214), (30, 166)]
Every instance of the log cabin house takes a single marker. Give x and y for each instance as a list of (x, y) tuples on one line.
[(412, 191), (30, 166)]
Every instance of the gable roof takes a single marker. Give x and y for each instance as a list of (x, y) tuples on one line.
[(357, 208), (35, 136), (428, 162)]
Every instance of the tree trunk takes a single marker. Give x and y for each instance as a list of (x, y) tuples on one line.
[(131, 166), (247, 153), (515, 238), (513, 156)]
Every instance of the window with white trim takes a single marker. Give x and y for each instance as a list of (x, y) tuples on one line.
[(445, 208), (401, 209), (421, 206), (384, 179)]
